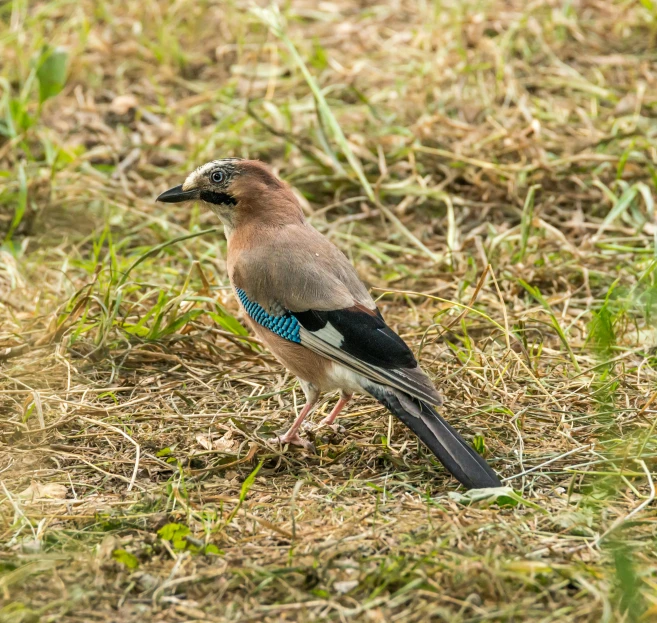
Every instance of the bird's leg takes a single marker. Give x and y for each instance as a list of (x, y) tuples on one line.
[(341, 404), (292, 435)]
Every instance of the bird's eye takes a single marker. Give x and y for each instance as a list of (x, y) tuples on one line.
[(217, 177)]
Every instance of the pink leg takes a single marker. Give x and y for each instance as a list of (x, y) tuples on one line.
[(328, 420), (292, 435)]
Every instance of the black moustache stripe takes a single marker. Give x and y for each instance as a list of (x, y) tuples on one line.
[(217, 198)]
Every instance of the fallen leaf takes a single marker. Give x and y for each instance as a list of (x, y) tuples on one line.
[(345, 587), (502, 496), (39, 491), (223, 444), (123, 104), (106, 547), (626, 105), (204, 441)]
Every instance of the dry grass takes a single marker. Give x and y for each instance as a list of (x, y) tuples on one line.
[(520, 135)]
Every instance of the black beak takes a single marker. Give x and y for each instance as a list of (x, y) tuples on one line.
[(177, 195)]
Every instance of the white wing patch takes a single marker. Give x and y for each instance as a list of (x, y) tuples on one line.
[(396, 378), (330, 335)]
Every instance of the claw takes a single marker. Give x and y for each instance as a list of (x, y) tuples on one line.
[(295, 440), (332, 424), (336, 427)]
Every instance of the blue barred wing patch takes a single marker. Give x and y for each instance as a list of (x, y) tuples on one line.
[(285, 325)]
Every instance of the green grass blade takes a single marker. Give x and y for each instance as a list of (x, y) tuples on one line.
[(21, 204), (527, 219), (156, 249), (535, 292)]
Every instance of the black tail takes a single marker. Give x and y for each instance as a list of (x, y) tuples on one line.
[(454, 452)]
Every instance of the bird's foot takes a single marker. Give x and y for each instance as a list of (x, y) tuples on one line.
[(294, 440), (331, 423), (336, 427)]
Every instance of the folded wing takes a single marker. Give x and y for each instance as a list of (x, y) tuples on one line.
[(360, 340), (314, 283)]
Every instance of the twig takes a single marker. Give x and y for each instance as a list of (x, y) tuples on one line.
[(130, 439), (621, 520), (552, 460)]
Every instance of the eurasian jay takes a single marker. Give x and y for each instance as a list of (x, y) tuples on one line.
[(304, 300)]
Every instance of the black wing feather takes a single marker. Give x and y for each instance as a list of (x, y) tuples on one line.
[(365, 336), (454, 452)]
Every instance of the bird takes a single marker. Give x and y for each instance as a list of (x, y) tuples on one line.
[(304, 300)]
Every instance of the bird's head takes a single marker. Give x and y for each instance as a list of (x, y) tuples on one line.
[(237, 190)]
